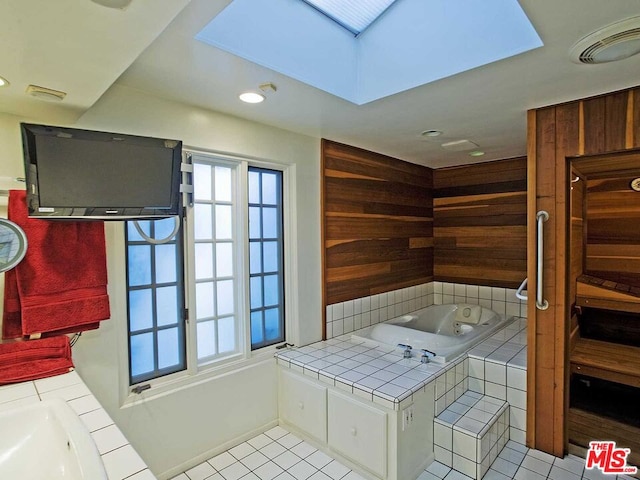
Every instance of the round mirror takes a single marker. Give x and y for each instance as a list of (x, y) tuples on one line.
[(13, 245)]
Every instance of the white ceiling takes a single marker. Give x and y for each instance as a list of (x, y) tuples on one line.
[(486, 105)]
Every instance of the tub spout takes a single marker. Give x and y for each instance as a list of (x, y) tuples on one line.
[(406, 350), (426, 355)]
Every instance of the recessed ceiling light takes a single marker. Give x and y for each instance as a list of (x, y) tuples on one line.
[(252, 97), (476, 153), (431, 133), (4, 82)]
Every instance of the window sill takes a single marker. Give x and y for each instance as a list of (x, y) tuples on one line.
[(206, 373)]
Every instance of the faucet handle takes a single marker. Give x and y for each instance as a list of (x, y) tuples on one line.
[(407, 350), (426, 354)]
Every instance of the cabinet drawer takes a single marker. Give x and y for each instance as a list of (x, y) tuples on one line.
[(358, 432), (303, 404)]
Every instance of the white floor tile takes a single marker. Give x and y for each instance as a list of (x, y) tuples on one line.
[(427, 476), (595, 474), (289, 441), (495, 475), (276, 432), (545, 457), (505, 467), (260, 441), (268, 471), (303, 450), (536, 465), (558, 473), (222, 461), (438, 469), (353, 476), (455, 475), (524, 474), (511, 455), (285, 476), (273, 450), (200, 472), (302, 470), (254, 460), (335, 470), (242, 450), (518, 447), (319, 476), (318, 459), (286, 460), (234, 471), (571, 464)]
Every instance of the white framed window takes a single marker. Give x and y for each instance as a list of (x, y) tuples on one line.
[(233, 248)]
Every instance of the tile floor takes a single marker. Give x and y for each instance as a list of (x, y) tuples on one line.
[(279, 455)]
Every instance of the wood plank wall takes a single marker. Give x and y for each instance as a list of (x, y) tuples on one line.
[(377, 223), (613, 236), (480, 223), (585, 127)]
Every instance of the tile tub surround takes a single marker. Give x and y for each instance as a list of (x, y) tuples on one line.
[(352, 315), (381, 375), (120, 459)]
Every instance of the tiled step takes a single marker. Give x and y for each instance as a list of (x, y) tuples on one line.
[(471, 432)]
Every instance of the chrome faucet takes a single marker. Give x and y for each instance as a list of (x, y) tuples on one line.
[(406, 350), (426, 356)]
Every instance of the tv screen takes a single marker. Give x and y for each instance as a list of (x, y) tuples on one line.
[(75, 173)]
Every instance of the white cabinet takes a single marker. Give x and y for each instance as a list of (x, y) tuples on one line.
[(303, 404), (358, 432), (379, 442)]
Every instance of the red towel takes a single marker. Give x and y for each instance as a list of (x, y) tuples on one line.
[(33, 359), (61, 284)]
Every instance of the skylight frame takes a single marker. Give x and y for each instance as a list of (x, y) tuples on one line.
[(353, 15)]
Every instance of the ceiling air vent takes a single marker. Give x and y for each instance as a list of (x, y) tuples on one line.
[(614, 42)]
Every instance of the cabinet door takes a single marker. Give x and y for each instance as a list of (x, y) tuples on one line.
[(359, 432), (303, 404)]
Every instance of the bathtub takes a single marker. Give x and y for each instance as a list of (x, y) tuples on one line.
[(435, 328)]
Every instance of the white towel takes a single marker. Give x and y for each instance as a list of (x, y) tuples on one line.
[(468, 314)]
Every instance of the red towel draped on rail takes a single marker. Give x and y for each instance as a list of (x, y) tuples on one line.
[(33, 359), (61, 284)]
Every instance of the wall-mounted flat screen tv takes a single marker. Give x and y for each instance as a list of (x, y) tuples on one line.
[(77, 174)]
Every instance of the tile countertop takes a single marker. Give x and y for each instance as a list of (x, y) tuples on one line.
[(380, 374), (120, 459)]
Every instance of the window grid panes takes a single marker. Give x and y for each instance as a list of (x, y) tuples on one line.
[(266, 282), (215, 265), (155, 302)]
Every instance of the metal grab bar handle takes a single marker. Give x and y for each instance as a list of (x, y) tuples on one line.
[(519, 294), (541, 303)]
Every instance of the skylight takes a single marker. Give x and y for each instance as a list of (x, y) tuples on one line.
[(415, 42), (354, 15)]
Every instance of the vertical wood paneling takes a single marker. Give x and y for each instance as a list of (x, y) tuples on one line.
[(587, 127), (594, 126), (377, 223), (543, 364), (480, 217), (635, 115), (616, 121)]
